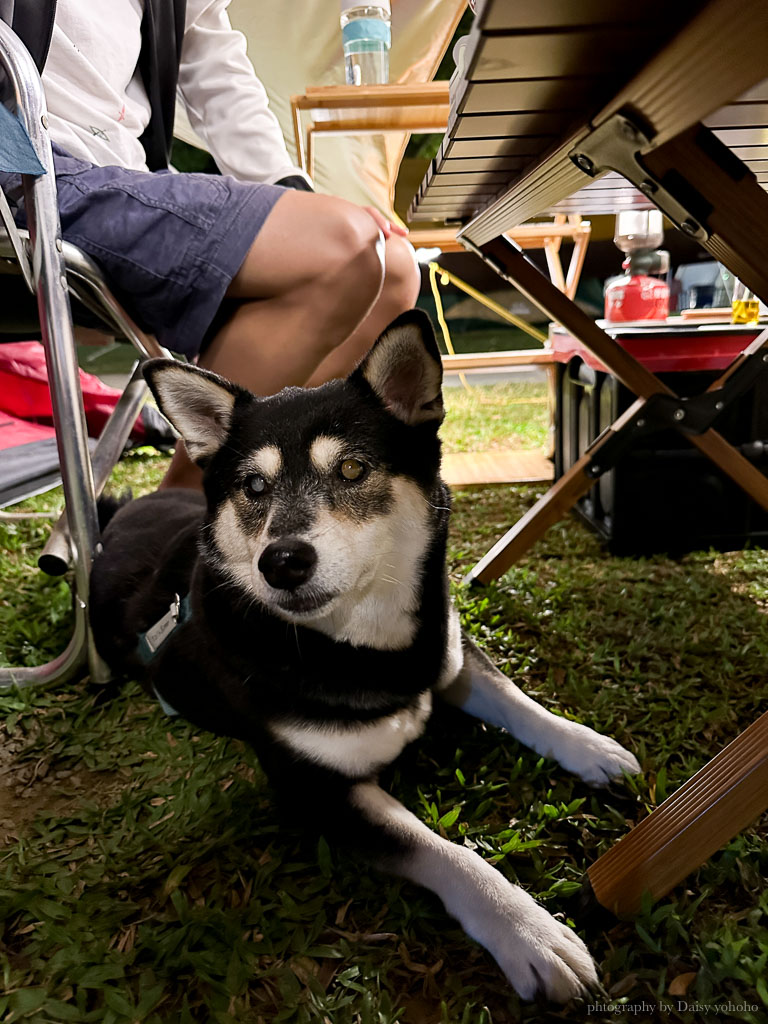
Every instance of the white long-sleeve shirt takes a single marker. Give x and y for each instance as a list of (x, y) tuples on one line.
[(98, 108)]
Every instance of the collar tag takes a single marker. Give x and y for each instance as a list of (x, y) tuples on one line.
[(156, 636)]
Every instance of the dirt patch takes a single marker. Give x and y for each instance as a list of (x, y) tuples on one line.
[(30, 789)]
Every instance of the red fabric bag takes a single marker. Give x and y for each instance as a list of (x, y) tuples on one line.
[(14, 431), (24, 390)]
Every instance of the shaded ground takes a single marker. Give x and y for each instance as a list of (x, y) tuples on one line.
[(145, 877)]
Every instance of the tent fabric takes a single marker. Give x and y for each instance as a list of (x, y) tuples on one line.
[(297, 43)]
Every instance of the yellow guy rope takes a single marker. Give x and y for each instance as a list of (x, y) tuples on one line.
[(433, 269), (447, 277)]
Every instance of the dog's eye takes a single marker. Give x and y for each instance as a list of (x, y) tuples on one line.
[(255, 485), (352, 469)]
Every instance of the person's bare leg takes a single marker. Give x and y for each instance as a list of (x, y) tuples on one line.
[(309, 280), (402, 281), (311, 277)]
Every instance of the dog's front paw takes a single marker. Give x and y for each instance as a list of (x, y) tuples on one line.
[(596, 759), (545, 957)]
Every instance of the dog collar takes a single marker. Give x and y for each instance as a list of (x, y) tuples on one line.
[(154, 638)]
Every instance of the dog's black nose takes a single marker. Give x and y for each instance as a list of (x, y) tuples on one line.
[(286, 564)]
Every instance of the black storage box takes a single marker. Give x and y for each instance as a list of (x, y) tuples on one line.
[(663, 495)]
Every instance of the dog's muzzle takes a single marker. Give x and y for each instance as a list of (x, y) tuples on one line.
[(287, 564)]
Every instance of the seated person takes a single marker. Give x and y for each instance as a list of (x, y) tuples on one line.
[(265, 284)]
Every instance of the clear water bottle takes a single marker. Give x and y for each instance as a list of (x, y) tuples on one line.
[(366, 36)]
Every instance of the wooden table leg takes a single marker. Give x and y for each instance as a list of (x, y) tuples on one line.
[(720, 800), (298, 135), (511, 264), (580, 243), (548, 510)]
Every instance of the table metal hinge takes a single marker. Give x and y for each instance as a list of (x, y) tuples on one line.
[(693, 415), (688, 415), (617, 145)]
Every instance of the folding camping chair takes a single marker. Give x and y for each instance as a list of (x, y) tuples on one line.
[(39, 262)]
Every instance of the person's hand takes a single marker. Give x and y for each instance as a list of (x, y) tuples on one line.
[(386, 227)]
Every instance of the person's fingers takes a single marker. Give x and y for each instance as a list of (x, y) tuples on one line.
[(381, 221), (387, 226)]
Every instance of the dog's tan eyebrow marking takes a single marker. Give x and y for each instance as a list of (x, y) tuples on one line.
[(233, 544), (267, 461), (325, 451)]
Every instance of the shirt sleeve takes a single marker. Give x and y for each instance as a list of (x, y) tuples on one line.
[(226, 103)]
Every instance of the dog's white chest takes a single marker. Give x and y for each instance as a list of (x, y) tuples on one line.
[(356, 750)]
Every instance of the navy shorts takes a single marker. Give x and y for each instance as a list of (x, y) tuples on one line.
[(169, 244)]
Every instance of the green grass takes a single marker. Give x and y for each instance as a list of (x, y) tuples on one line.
[(510, 415), (144, 877)]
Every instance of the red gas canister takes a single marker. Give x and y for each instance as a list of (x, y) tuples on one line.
[(642, 293), (636, 297)]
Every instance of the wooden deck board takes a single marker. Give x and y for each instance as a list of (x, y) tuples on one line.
[(497, 467)]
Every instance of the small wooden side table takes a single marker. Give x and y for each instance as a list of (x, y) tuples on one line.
[(366, 110)]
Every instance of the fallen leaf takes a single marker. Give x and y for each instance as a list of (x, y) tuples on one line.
[(623, 986), (341, 913), (680, 985)]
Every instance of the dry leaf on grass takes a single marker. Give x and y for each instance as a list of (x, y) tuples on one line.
[(680, 985)]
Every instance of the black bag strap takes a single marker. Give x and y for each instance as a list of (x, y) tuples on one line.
[(162, 33), (32, 21)]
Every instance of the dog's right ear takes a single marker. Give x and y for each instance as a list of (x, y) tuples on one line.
[(198, 403)]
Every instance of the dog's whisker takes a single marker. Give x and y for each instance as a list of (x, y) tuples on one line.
[(296, 635), (238, 451), (225, 583)]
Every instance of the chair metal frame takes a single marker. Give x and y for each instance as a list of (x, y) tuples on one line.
[(59, 268)]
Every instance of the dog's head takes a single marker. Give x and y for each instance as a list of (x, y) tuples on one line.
[(321, 501)]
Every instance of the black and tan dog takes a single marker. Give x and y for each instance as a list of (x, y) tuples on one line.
[(303, 606)]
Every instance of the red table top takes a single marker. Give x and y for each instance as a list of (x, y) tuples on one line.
[(664, 346)]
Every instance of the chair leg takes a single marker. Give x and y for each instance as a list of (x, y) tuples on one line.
[(86, 281), (56, 556), (723, 798), (579, 254), (68, 414), (70, 664), (61, 361)]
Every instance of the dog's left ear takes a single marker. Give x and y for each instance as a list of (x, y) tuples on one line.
[(197, 402), (405, 371)]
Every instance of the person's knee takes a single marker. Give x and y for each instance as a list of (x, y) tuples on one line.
[(313, 248), (402, 278), (354, 254)]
